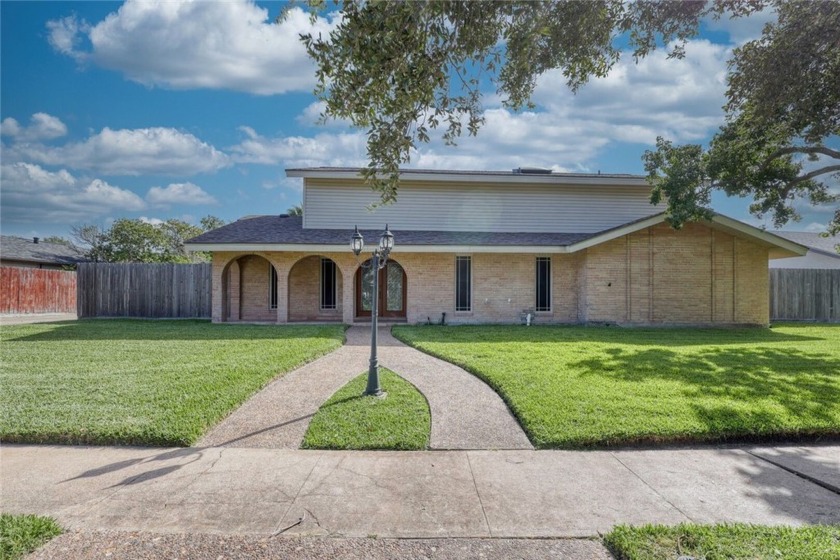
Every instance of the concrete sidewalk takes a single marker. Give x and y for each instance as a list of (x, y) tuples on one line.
[(417, 494)]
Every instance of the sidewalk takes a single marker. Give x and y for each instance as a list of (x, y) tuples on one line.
[(417, 494)]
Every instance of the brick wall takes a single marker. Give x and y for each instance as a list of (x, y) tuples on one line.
[(697, 275), (305, 292)]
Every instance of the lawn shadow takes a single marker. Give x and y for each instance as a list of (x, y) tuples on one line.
[(186, 329), (722, 386)]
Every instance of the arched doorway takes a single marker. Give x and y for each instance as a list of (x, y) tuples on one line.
[(392, 291)]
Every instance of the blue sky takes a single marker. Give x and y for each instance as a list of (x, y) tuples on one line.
[(175, 110)]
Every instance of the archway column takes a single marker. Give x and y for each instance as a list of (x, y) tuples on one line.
[(282, 263)]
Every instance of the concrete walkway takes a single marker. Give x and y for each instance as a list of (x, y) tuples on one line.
[(466, 413), (416, 494)]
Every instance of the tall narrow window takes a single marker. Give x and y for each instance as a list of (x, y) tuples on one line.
[(272, 287), (543, 284), (328, 299), (463, 284)]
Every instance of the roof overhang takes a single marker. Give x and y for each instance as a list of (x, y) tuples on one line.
[(779, 247), (466, 177)]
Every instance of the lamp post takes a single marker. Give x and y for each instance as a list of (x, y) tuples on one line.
[(380, 257)]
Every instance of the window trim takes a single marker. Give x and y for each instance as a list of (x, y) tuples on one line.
[(272, 287), (537, 307), (321, 305), (469, 308)]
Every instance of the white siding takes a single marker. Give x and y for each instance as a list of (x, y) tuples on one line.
[(477, 207)]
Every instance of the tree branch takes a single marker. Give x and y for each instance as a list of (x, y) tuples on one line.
[(814, 173), (801, 150)]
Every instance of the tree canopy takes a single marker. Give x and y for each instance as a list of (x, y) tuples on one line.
[(136, 240), (402, 69)]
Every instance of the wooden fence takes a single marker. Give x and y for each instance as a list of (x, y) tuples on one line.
[(36, 290), (144, 290), (804, 295)]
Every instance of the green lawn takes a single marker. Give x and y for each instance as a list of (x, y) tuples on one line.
[(140, 382), (724, 542), (21, 534), (349, 420), (575, 387)]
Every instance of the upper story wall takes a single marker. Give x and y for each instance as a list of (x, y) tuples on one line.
[(475, 206)]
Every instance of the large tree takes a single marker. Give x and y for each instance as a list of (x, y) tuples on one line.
[(135, 240), (400, 69)]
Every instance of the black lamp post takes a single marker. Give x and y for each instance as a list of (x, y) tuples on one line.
[(380, 257)]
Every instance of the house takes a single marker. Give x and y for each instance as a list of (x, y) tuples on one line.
[(822, 252), (34, 253), (484, 246)]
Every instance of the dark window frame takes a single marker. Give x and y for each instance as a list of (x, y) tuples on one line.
[(328, 293), (272, 287), (463, 301), (542, 285)]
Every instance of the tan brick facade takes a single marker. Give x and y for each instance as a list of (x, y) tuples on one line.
[(697, 275)]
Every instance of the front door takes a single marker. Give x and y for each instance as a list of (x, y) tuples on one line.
[(392, 291)]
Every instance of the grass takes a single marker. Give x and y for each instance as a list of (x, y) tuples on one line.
[(139, 382), (577, 387), (724, 542), (21, 534), (349, 420)]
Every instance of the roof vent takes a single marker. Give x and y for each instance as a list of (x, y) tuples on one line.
[(35, 240), (284, 215), (532, 171)]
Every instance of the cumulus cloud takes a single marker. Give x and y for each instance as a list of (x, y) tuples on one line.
[(179, 193), (32, 194), (42, 127), (184, 45), (338, 149), (743, 29), (152, 151), (152, 221)]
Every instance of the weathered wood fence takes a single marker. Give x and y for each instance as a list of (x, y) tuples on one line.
[(37, 290), (144, 290), (804, 295)]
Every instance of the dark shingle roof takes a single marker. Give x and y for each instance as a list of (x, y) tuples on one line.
[(813, 241), (20, 249), (289, 230)]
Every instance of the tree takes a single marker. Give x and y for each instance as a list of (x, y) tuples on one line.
[(296, 210), (58, 240), (135, 240), (401, 69)]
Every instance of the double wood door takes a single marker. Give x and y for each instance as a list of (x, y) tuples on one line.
[(392, 291)]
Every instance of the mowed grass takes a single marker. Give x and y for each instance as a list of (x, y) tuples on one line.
[(724, 542), (21, 534), (575, 387), (350, 420), (140, 382)]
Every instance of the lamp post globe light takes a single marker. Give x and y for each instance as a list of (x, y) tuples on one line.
[(376, 263)]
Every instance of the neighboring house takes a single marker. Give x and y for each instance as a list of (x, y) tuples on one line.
[(822, 251), (482, 247), (34, 253)]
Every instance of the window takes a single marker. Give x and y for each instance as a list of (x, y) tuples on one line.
[(328, 284), (543, 284), (463, 284), (272, 287)]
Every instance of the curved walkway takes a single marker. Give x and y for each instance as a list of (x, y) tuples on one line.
[(466, 413)]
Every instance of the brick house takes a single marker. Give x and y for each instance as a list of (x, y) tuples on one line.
[(484, 247)]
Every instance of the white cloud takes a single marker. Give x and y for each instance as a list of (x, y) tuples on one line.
[(179, 193), (743, 29), (32, 194), (184, 45), (154, 151), (42, 127), (152, 221), (339, 149)]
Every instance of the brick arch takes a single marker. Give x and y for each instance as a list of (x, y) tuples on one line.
[(246, 294)]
